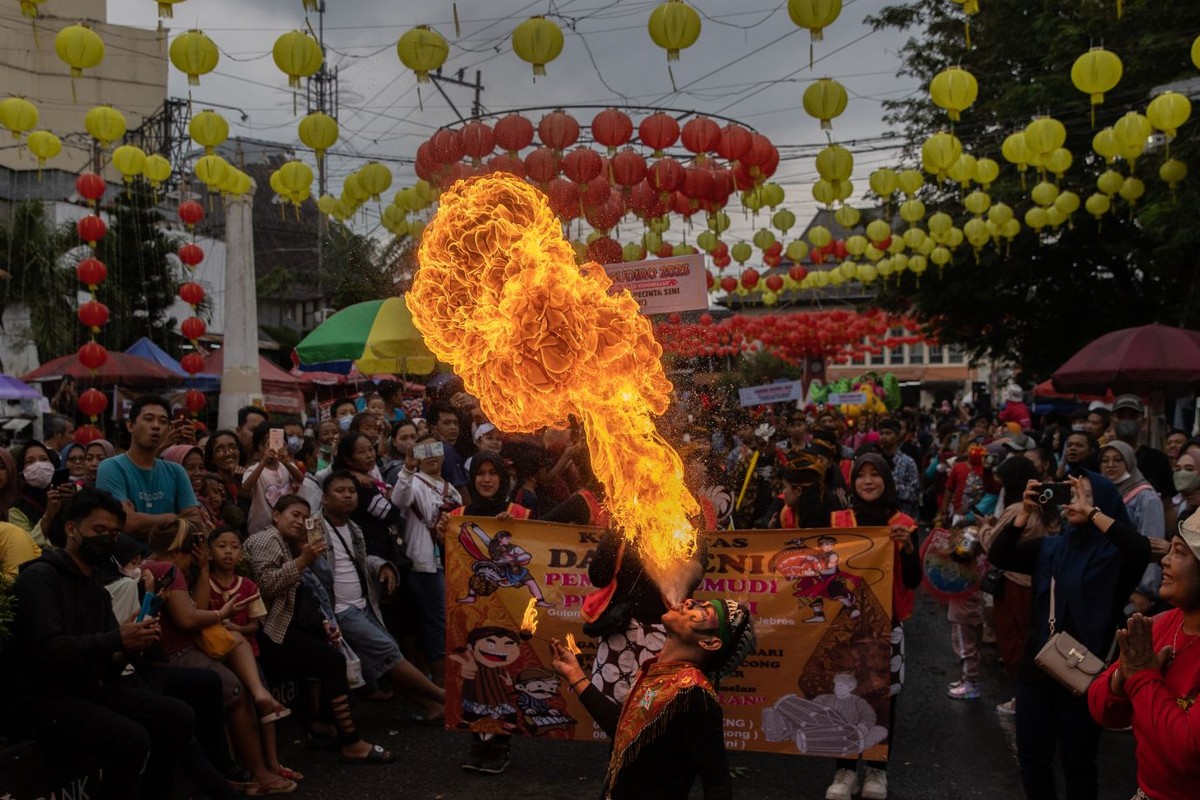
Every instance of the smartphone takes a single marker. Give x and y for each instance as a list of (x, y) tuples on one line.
[(152, 601), (275, 439), (313, 526), (1057, 493)]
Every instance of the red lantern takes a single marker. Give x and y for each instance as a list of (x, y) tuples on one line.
[(721, 262), (839, 249), (711, 281), (91, 271), (612, 128), (191, 293), (759, 151), (90, 186), (665, 175), (666, 251), (558, 130), (478, 140), (628, 168), (446, 146), (92, 402), (190, 213), (86, 434), (191, 254), (768, 167), (658, 132), (564, 198), (774, 283), (674, 318), (514, 133), (729, 283), (700, 135), (195, 401), (771, 260), (797, 273), (507, 162), (582, 164), (542, 165), (706, 319), (720, 251), (454, 172), (735, 141), (91, 229), (93, 314), (192, 328), (606, 215), (604, 250), (192, 363), (595, 191), (698, 183), (750, 278), (92, 355)]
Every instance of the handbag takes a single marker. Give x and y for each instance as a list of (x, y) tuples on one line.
[(1066, 659), (354, 673), (993, 583), (215, 641)]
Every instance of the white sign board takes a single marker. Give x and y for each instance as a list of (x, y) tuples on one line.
[(847, 398), (663, 285), (786, 392)]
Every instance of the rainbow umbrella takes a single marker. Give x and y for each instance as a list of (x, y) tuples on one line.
[(375, 336)]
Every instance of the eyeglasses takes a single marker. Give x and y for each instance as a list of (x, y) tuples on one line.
[(225, 448)]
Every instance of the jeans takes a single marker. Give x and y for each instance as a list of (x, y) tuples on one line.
[(1050, 719), (429, 589)]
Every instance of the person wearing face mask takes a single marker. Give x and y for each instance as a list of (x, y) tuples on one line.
[(39, 503), (327, 439), (342, 413), (69, 683), (1186, 479), (122, 577)]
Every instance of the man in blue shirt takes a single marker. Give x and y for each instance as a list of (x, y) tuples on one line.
[(154, 493), (446, 428)]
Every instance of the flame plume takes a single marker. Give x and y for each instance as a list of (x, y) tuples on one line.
[(529, 620), (537, 338)]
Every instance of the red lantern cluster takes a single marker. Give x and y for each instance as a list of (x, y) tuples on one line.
[(837, 334), (92, 314), (192, 328), (93, 402)]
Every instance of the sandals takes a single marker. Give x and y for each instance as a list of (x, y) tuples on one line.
[(376, 755), (279, 712), (288, 774), (281, 786)]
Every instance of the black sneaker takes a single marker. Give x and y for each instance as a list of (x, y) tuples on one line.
[(473, 763), (494, 765)]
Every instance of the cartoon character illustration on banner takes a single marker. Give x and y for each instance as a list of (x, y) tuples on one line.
[(539, 701), (488, 701), (837, 724), (816, 577), (499, 564)]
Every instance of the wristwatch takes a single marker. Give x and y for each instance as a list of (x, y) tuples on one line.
[(1095, 512)]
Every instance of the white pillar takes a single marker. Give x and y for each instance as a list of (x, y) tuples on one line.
[(241, 383)]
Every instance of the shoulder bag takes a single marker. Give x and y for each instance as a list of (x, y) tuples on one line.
[(1066, 659)]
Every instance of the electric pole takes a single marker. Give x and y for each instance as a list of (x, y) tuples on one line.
[(321, 95)]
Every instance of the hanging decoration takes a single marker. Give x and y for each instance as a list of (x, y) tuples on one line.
[(537, 41), (422, 50), (44, 146), (1095, 72), (208, 129), (105, 124), (954, 90), (165, 8), (674, 26), (319, 131), (18, 115), (194, 54), (825, 99), (815, 16), (80, 48)]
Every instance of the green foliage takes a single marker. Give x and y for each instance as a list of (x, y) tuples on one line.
[(1038, 302), (359, 268), (33, 252), (758, 369)]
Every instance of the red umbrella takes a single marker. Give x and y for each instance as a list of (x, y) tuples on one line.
[(1133, 360), (120, 368)]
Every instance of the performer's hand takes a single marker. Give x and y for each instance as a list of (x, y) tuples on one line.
[(564, 662)]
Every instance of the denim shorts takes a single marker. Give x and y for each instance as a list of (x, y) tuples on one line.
[(370, 641)]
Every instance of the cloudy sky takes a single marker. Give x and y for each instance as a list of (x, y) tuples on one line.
[(750, 63)]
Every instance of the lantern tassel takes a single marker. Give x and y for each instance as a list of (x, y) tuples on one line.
[(967, 28), (671, 72), (457, 25)]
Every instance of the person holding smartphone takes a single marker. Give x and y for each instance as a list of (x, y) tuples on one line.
[(273, 475)]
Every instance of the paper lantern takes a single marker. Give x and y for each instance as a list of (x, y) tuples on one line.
[(93, 314), (797, 272), (1097, 205), (939, 152), (1095, 72), (422, 50), (612, 128), (986, 172), (190, 254), (1105, 144), (192, 363), (212, 171), (1132, 190), (658, 132), (700, 135), (750, 278), (910, 181), (194, 400), (954, 90), (373, 177), (1168, 111), (165, 9), (91, 229), (537, 41), (1016, 151), (1044, 194), (91, 272), (741, 252), (29, 8), (977, 203), (297, 55), (514, 132), (962, 171), (130, 161), (814, 15), (835, 163), (783, 220), (192, 328), (43, 145), (105, 124), (883, 182), (18, 115), (93, 355), (190, 213), (824, 100), (1044, 135), (208, 129), (194, 54), (79, 47), (1059, 162), (582, 164), (90, 187), (1067, 203), (1172, 171), (92, 402), (157, 170), (1132, 132), (605, 250), (191, 293), (847, 217), (558, 130), (1110, 182), (674, 26), (478, 140)]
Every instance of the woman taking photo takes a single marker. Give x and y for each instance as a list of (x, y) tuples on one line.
[(375, 514), (38, 503), (1091, 568), (297, 640), (1154, 684)]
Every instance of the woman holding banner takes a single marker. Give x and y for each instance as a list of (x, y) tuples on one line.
[(874, 503)]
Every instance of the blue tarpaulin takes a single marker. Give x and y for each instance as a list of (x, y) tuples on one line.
[(148, 350)]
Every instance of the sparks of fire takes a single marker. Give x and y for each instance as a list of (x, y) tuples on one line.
[(574, 648), (529, 620), (538, 339)]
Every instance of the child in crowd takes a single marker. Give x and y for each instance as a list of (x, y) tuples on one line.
[(225, 556), (273, 475)]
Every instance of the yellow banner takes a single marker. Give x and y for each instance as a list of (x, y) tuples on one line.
[(819, 682)]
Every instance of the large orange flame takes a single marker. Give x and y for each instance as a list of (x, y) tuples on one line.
[(537, 338)]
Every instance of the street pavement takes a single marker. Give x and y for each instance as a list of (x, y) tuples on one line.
[(945, 749)]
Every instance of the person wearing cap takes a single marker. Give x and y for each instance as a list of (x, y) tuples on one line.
[(1128, 416), (806, 501), (1154, 685), (670, 728)]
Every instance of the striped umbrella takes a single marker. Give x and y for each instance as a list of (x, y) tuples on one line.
[(375, 336)]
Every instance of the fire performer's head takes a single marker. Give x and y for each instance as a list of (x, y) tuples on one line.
[(716, 634)]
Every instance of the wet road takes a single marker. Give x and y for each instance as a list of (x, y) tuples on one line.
[(945, 749)]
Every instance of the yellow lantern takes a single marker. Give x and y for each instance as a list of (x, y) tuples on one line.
[(796, 251), (1044, 194), (912, 211), (772, 195), (962, 171), (79, 47), (878, 230), (741, 252), (129, 161), (823, 192), (44, 145), (1168, 111), (848, 269), (105, 124), (953, 89), (353, 191), (1095, 72), (1011, 229), (939, 152), (1132, 190), (212, 171), (917, 265), (986, 171), (848, 217), (977, 233), (164, 8), (1105, 144), (537, 41), (1015, 151), (18, 115), (157, 170), (884, 182), (1110, 182), (999, 215), (782, 220), (1059, 162), (375, 179), (674, 26), (1132, 131), (940, 256), (320, 132), (940, 224), (422, 50), (834, 163), (825, 99), (194, 54), (29, 8), (910, 181), (977, 203), (208, 129), (1171, 172), (819, 236), (814, 15), (842, 189), (1044, 135), (326, 204), (1097, 205), (866, 273), (1196, 52), (1054, 217), (296, 178), (1067, 203), (763, 239), (1036, 218), (297, 55)]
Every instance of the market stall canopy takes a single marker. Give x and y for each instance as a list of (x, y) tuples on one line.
[(1135, 360), (144, 348), (375, 336), (281, 392), (14, 389), (119, 369)]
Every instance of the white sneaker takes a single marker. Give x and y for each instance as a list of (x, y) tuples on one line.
[(874, 785), (845, 784)]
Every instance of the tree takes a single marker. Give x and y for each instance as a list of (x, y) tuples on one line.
[(360, 268), (33, 251), (1038, 302)]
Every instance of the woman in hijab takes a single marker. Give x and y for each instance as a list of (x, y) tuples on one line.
[(38, 503), (73, 461), (1091, 568), (874, 504), (191, 458), (1118, 463), (96, 451)]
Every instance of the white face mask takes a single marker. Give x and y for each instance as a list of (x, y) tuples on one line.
[(132, 571), (38, 474)]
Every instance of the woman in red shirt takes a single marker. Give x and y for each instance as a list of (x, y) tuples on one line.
[(1155, 684)]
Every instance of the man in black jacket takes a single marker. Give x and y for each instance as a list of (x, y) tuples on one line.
[(72, 654)]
